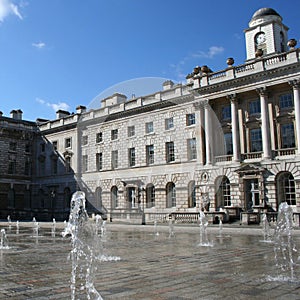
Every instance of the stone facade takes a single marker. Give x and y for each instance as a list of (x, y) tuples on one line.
[(225, 141)]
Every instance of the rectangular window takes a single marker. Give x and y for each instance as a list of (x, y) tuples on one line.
[(68, 143), (114, 159), (27, 170), (226, 112), (228, 143), (192, 149), (114, 134), (13, 146), (149, 127), (99, 161), (131, 157), (55, 145), (84, 163), (254, 107), (99, 137), (170, 152), (131, 131), (12, 165), (150, 154), (54, 165), (28, 148), (255, 140), (287, 136), (190, 119), (85, 140), (286, 101), (169, 124), (43, 147), (68, 164)]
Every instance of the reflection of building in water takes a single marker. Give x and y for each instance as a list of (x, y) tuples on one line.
[(231, 135)]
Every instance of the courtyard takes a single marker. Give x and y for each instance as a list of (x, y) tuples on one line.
[(153, 264)]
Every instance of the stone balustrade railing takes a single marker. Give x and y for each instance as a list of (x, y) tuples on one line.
[(259, 65)]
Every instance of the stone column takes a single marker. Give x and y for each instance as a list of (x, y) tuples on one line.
[(234, 126), (200, 132), (208, 133), (296, 86), (265, 125)]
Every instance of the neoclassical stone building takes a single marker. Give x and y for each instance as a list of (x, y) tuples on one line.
[(227, 141)]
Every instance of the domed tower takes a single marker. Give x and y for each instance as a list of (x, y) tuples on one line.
[(266, 34)]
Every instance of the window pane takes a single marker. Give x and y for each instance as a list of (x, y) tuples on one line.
[(286, 101), (254, 107), (287, 136), (256, 140)]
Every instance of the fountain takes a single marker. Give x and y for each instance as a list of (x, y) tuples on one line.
[(53, 228), (17, 227), (220, 229), (35, 227), (171, 228), (156, 233), (203, 230), (3, 240), (99, 224), (9, 220), (85, 249), (266, 229), (284, 245)]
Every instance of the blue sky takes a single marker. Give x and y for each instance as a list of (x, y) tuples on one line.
[(57, 54)]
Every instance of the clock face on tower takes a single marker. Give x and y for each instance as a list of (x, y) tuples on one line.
[(260, 38)]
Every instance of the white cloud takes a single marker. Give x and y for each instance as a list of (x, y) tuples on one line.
[(39, 45), (54, 106), (210, 54), (7, 7)]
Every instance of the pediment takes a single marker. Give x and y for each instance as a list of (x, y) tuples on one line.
[(251, 169)]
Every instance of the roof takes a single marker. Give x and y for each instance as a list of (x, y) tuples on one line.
[(266, 11)]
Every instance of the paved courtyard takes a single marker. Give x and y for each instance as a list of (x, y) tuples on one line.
[(237, 265)]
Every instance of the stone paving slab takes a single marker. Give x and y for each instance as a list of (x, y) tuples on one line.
[(238, 265)]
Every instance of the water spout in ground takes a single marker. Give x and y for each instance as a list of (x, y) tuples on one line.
[(17, 227), (3, 240), (85, 249), (284, 245), (171, 228), (156, 233), (266, 229), (53, 228), (203, 230)]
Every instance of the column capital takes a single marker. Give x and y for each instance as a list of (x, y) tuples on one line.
[(201, 104), (206, 103), (232, 98), (198, 105), (262, 91), (295, 84)]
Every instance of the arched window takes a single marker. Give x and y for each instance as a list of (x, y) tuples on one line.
[(192, 194), (150, 196), (223, 197), (114, 197), (99, 198), (171, 195), (286, 190)]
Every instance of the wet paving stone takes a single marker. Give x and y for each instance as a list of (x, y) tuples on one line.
[(151, 267)]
